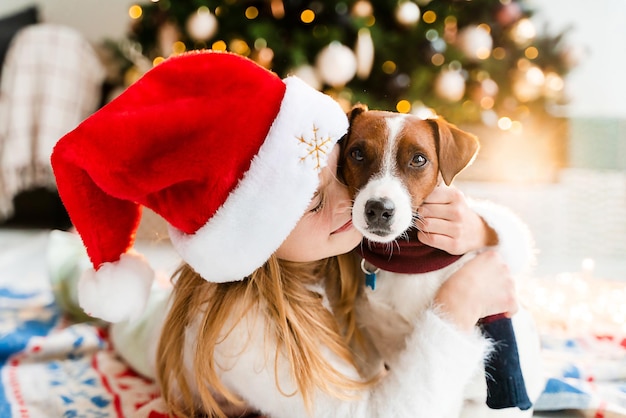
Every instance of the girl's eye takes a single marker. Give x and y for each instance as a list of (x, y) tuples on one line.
[(317, 207), (357, 154), (417, 161), (317, 204)]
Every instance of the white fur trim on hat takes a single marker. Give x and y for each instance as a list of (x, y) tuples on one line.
[(273, 194), (116, 291)]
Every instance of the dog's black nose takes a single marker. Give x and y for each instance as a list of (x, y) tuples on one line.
[(379, 212)]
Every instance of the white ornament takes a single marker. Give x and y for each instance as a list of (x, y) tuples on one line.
[(309, 75), (475, 42), (336, 64), (202, 25), (364, 53), (450, 85), (408, 13)]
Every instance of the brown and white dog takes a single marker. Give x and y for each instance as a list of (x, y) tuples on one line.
[(391, 162)]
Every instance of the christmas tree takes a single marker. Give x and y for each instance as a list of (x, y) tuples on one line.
[(478, 61)]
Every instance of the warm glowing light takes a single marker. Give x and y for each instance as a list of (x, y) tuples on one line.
[(178, 47), (485, 27), (135, 11), (505, 123), (438, 59), (278, 9), (523, 64), (362, 8), (535, 75), (499, 53), (408, 13), (450, 21), (429, 17), (265, 57), (219, 46), (531, 52), (554, 85), (523, 32), (307, 16), (252, 12), (389, 67), (450, 29), (483, 53), (157, 61), (239, 46), (422, 111), (403, 106), (555, 81), (487, 102), (517, 127)]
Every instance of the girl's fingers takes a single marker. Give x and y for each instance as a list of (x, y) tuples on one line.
[(441, 194)]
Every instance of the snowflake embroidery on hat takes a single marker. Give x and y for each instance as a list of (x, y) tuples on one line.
[(316, 147)]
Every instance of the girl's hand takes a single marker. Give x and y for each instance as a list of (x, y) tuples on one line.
[(482, 287), (448, 223)]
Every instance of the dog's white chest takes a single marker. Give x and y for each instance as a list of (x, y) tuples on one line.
[(411, 294)]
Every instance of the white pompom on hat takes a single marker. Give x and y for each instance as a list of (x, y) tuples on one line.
[(221, 148)]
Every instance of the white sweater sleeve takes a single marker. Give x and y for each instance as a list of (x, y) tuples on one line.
[(515, 242)]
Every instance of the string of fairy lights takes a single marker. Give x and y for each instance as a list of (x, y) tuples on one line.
[(458, 72)]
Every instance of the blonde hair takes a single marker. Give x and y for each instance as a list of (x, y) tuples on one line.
[(296, 319)]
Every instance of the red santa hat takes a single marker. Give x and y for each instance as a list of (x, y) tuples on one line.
[(221, 148)]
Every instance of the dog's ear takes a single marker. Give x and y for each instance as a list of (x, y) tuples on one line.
[(356, 110), (456, 148)]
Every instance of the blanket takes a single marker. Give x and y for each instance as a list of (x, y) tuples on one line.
[(51, 364), (54, 365), (51, 80)]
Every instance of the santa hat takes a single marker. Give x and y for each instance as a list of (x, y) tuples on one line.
[(221, 148)]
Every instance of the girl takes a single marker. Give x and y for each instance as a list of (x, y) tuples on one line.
[(242, 166)]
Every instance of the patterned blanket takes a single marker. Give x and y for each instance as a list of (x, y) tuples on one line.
[(50, 365), (54, 366)]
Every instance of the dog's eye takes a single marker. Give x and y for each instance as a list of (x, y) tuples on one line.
[(357, 154), (417, 161)]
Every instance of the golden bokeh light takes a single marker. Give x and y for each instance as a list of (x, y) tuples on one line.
[(429, 17), (487, 102), (252, 12), (483, 53), (438, 59), (178, 47), (505, 123), (219, 45), (389, 67), (239, 46), (499, 53), (531, 52), (307, 16), (486, 27), (135, 11), (403, 106)]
